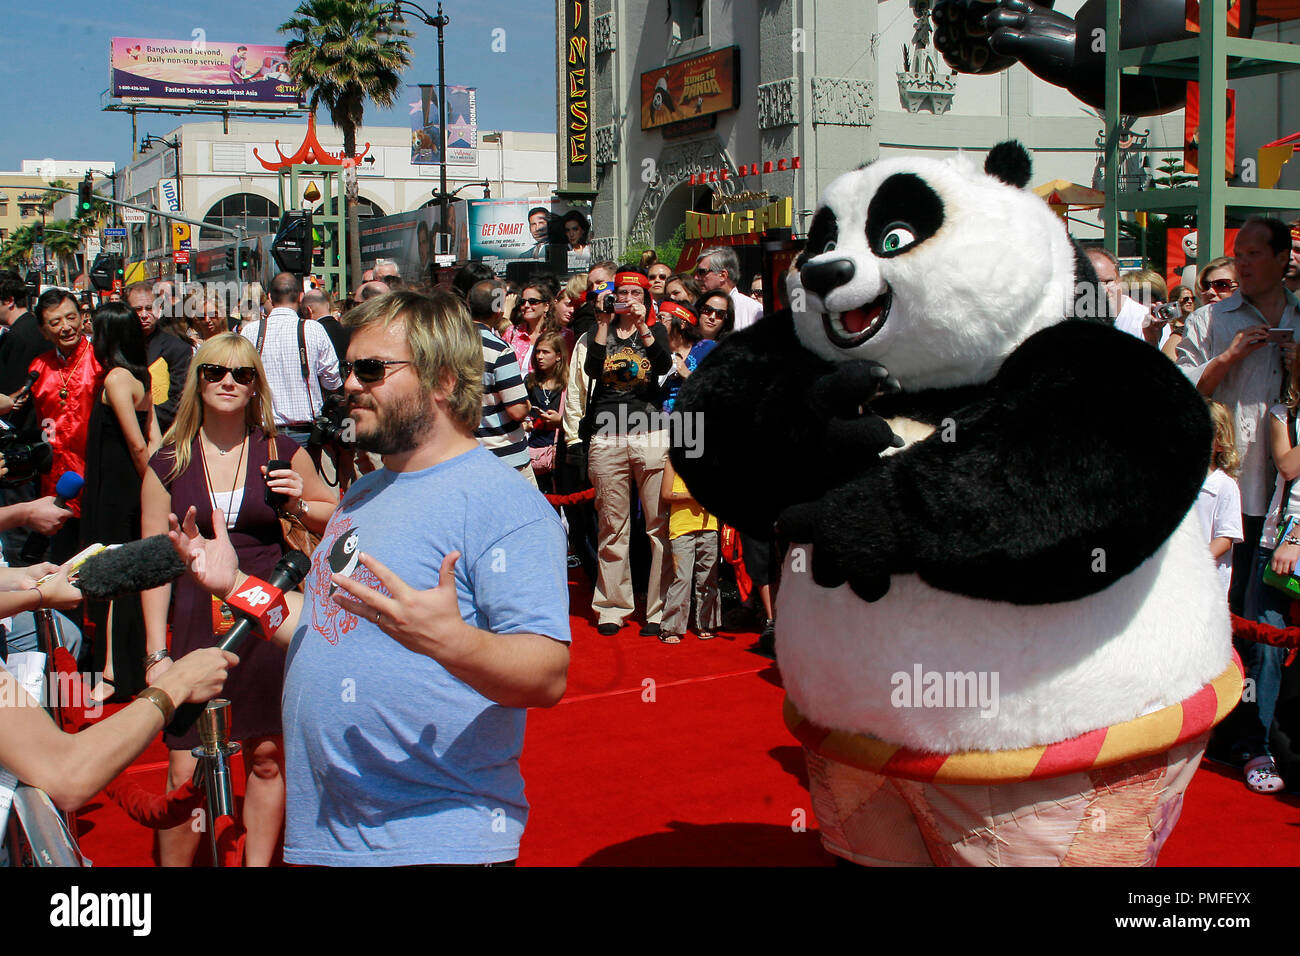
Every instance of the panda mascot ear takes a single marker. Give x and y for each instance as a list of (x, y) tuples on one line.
[(1010, 163)]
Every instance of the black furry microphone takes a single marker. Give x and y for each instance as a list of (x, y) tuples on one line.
[(129, 569)]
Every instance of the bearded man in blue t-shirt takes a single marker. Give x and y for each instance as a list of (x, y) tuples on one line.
[(418, 643)]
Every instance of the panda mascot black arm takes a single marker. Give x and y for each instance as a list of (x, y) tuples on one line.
[(1085, 457), (780, 425), (1047, 456)]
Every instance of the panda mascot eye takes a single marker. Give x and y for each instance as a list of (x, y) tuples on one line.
[(897, 238)]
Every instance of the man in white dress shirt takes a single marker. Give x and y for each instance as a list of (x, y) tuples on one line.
[(298, 356), (719, 268)]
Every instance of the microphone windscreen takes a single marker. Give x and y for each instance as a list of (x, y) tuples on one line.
[(295, 566), (129, 569), (69, 485)]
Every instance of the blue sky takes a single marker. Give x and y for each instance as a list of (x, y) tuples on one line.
[(54, 66)]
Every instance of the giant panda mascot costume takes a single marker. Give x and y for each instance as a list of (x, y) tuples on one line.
[(998, 624)]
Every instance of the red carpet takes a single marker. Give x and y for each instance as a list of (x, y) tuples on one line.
[(666, 755)]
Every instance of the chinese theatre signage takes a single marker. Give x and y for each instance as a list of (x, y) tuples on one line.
[(575, 93), (777, 215), (695, 87)]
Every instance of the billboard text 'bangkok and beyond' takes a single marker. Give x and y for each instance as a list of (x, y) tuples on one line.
[(201, 73)]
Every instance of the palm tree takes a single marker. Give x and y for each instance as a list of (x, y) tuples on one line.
[(18, 250), (345, 54), (63, 238), (50, 197)]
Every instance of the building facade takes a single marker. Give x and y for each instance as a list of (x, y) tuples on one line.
[(21, 191), (835, 83), (216, 177)]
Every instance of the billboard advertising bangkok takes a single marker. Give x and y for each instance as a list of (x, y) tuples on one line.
[(200, 73)]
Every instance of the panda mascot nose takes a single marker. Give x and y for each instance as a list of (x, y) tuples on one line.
[(824, 277)]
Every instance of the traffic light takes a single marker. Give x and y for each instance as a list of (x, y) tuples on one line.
[(85, 190), (245, 258), (292, 246), (38, 232), (230, 260)]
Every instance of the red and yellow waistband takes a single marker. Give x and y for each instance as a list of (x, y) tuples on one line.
[(1144, 736)]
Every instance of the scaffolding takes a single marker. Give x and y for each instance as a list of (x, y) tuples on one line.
[(330, 221), (1212, 59)]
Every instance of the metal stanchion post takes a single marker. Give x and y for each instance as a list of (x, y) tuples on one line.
[(214, 755)]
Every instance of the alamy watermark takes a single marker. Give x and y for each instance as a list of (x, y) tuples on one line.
[(946, 689), (66, 691), (673, 429)]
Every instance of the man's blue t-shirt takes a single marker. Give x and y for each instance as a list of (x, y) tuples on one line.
[(390, 760)]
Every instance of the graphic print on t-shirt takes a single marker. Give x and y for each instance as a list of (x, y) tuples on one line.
[(626, 370), (339, 553)]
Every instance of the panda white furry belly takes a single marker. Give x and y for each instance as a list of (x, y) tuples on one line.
[(1050, 671)]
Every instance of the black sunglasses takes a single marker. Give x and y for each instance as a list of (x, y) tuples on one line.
[(370, 370), (532, 301), (244, 375)]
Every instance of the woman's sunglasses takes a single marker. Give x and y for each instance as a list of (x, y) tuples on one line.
[(1222, 285), (370, 370), (532, 301), (244, 375), (710, 310)]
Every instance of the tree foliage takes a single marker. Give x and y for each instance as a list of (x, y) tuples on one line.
[(344, 54)]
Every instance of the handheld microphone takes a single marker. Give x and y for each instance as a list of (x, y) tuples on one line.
[(257, 610), (25, 392), (69, 486), (128, 568), (252, 611)]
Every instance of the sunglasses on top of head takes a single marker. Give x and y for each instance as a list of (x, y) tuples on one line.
[(370, 370), (244, 375)]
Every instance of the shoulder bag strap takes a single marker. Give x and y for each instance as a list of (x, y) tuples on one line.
[(1286, 488), (302, 354), (261, 334)]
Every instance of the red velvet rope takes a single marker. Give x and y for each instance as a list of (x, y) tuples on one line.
[(1267, 634), (155, 810), (573, 499)]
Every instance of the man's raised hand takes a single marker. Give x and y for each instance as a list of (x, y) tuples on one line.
[(426, 622)]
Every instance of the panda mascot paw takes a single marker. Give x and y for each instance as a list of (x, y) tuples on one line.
[(997, 615)]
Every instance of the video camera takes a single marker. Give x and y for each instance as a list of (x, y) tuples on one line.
[(23, 460)]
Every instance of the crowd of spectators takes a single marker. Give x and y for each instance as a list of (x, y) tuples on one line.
[(167, 398)]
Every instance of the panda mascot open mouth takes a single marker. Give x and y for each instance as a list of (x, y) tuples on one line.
[(850, 329), (978, 486)]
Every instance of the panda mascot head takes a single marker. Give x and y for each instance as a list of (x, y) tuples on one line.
[(933, 268)]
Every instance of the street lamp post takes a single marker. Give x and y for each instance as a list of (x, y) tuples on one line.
[(439, 22), (175, 144)]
